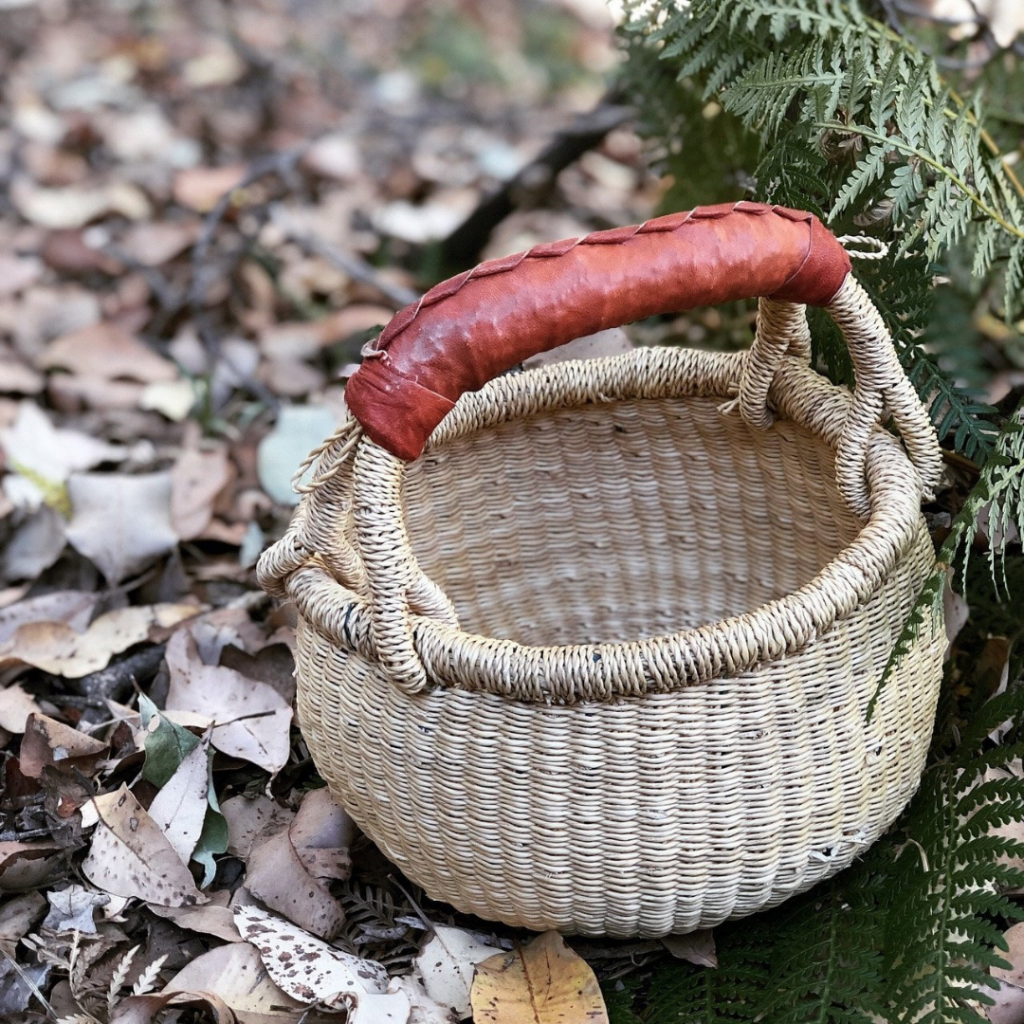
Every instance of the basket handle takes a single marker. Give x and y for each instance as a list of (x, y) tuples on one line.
[(475, 326)]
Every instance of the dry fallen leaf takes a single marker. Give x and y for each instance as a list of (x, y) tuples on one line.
[(304, 966), (107, 352), (144, 1009), (544, 982), (19, 916), (45, 457), (287, 870), (76, 206), (28, 865), (1014, 974), (73, 607), (57, 648), (201, 188), (213, 918), (251, 820), (447, 964), (121, 523), (423, 1009), (697, 947), (72, 909), (130, 856), (179, 808), (15, 707), (251, 720), (49, 742), (154, 243), (196, 480), (236, 975)]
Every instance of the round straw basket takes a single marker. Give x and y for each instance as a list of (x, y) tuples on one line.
[(592, 646)]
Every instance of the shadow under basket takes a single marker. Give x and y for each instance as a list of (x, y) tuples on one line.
[(601, 658)]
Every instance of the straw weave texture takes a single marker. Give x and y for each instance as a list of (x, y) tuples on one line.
[(600, 660)]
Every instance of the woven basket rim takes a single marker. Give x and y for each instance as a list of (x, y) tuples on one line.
[(566, 673)]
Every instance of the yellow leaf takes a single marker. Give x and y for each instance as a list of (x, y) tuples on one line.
[(543, 983)]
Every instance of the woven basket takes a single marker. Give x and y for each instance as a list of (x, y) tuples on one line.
[(600, 658)]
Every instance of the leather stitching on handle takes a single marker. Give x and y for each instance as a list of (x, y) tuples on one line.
[(552, 250)]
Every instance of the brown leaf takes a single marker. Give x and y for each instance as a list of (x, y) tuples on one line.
[(57, 648), (286, 871), (321, 835), (107, 352), (121, 523), (154, 243), (143, 1009), (131, 857), (49, 742), (213, 918), (305, 967), (68, 252), (697, 947), (196, 480), (27, 865), (251, 720), (73, 607), (252, 820), (236, 975), (200, 188), (18, 917), (542, 983)]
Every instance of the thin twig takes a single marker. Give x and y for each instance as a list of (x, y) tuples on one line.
[(349, 263)]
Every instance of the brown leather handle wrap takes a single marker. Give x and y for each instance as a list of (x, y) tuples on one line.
[(475, 326)]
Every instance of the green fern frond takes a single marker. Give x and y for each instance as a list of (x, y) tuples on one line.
[(943, 934)]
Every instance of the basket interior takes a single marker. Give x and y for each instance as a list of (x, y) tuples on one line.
[(612, 522)]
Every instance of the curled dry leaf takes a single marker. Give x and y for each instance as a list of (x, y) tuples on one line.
[(131, 857), (236, 975), (144, 1009), (19, 916), (542, 983), (250, 719), (28, 865), (49, 742), (697, 947), (307, 968), (57, 648), (287, 870), (121, 523), (447, 964)]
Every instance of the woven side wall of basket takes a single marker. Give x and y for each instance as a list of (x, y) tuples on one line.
[(601, 658)]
